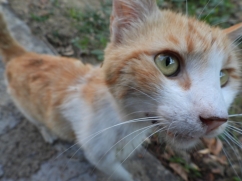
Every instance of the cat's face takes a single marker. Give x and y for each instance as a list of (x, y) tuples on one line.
[(182, 71)]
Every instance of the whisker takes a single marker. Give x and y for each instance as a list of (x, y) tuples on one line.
[(218, 23), (233, 128), (212, 10), (71, 158), (203, 9), (65, 151), (142, 142), (227, 155), (154, 93), (142, 129), (233, 139), (138, 112), (234, 122), (134, 138), (143, 93), (186, 8), (235, 115), (126, 122), (145, 119), (234, 150)]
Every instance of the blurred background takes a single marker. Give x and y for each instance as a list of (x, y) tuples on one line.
[(80, 28)]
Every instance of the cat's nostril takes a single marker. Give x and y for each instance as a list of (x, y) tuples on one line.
[(212, 123), (154, 122)]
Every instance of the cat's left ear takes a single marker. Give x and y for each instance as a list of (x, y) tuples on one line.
[(234, 32), (128, 14)]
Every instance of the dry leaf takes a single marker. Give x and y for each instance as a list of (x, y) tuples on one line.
[(217, 171), (166, 156), (193, 165), (179, 170), (209, 177), (169, 151), (223, 160), (214, 145), (204, 151)]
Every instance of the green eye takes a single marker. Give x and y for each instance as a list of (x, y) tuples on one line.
[(168, 65), (224, 77)]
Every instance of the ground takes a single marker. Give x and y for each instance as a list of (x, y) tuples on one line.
[(67, 30)]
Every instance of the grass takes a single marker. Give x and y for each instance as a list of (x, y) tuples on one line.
[(236, 179), (193, 172), (41, 18), (93, 24), (214, 12)]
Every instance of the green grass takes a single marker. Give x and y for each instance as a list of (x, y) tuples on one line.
[(236, 179), (40, 19), (193, 172), (93, 24), (214, 12)]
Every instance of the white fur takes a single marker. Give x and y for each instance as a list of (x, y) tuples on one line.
[(94, 126)]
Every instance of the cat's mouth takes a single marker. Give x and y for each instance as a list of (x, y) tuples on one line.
[(181, 141), (178, 136)]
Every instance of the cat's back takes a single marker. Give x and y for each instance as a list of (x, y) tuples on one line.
[(38, 84), (40, 74)]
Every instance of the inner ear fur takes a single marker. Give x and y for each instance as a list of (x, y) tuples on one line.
[(127, 13), (234, 32)]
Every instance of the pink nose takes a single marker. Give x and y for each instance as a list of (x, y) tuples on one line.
[(213, 122)]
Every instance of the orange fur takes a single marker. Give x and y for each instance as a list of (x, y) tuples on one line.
[(184, 35), (64, 97), (39, 83), (9, 48)]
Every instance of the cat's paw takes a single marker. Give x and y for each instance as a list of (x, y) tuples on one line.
[(48, 136)]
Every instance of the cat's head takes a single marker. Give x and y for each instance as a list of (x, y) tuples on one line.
[(166, 65)]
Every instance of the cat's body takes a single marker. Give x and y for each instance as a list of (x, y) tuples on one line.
[(112, 109)]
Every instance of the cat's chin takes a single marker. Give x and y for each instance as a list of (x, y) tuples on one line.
[(182, 142)]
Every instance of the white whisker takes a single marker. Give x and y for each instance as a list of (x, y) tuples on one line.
[(203, 10), (233, 139), (234, 129), (142, 129), (212, 9), (142, 142), (235, 115), (227, 155), (65, 151)]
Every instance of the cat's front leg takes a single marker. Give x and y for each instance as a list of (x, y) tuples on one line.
[(110, 166)]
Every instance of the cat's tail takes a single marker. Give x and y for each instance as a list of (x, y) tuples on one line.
[(9, 48)]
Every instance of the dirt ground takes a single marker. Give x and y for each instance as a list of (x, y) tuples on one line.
[(207, 166)]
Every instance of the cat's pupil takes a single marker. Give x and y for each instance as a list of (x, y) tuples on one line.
[(168, 61)]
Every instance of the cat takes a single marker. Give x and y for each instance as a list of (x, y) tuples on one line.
[(163, 73)]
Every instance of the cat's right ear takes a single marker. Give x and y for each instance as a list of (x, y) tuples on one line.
[(127, 14), (234, 32)]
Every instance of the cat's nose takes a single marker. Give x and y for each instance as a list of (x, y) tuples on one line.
[(213, 123)]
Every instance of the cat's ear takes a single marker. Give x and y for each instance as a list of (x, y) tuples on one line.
[(234, 32), (127, 14)]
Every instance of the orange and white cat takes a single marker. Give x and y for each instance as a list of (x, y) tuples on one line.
[(163, 72)]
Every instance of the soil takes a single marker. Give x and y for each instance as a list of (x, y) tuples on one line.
[(198, 167)]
